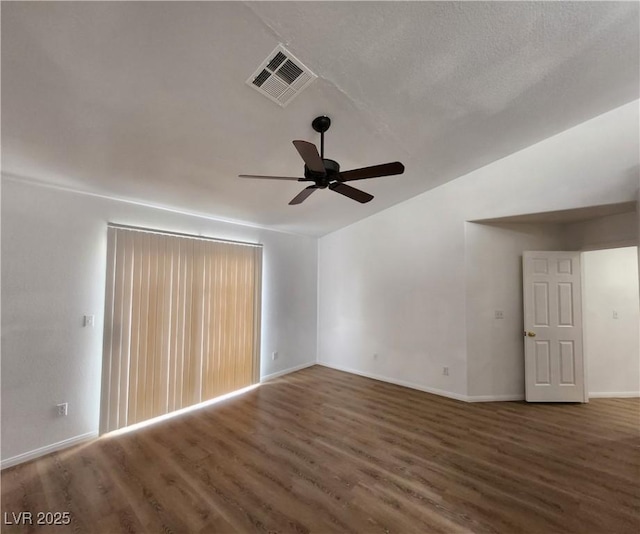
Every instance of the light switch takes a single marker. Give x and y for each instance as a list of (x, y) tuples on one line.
[(89, 320), (615, 314)]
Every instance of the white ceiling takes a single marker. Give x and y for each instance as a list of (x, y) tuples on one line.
[(148, 100)]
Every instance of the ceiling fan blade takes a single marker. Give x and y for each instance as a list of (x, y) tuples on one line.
[(303, 195), (351, 192), (309, 154), (270, 177), (386, 169)]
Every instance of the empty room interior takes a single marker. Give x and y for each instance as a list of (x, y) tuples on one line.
[(320, 267)]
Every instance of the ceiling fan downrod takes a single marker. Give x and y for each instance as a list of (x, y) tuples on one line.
[(321, 124)]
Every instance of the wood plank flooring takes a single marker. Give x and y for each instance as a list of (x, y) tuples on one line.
[(325, 451)]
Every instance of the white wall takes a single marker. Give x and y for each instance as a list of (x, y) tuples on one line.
[(603, 232), (390, 286), (53, 272), (495, 349), (394, 283), (612, 346)]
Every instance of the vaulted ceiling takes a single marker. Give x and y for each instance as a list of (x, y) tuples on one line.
[(148, 101)]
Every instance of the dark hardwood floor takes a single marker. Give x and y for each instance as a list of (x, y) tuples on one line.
[(325, 451)]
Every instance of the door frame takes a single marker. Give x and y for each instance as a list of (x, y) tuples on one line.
[(584, 327), (606, 246)]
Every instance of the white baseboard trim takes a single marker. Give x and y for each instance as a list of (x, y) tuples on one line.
[(613, 394), (397, 382), (266, 378), (36, 453), (495, 398)]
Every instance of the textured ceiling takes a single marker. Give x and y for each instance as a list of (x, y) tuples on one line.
[(147, 101)]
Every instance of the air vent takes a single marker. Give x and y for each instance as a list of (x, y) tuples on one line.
[(281, 77)]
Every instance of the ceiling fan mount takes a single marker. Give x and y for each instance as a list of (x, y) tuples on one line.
[(321, 124), (325, 173)]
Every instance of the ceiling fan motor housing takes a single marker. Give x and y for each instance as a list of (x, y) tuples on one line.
[(332, 169)]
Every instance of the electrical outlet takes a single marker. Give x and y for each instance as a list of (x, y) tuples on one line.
[(445, 371), (499, 314), (63, 409), (274, 355)]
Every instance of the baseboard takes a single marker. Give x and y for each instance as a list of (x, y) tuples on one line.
[(32, 455), (613, 394), (495, 398), (266, 378), (397, 382)]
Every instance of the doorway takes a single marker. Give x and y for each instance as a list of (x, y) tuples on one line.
[(611, 315), (581, 309)]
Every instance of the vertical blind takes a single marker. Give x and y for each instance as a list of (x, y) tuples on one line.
[(182, 323)]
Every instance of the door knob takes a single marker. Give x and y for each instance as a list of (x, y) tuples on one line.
[(531, 334)]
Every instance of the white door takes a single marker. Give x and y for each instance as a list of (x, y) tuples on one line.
[(554, 361)]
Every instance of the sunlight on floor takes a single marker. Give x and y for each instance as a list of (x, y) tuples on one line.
[(153, 421)]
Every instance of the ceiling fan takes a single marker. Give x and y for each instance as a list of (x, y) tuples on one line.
[(326, 172)]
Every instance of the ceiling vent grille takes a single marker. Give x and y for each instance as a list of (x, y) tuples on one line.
[(281, 77)]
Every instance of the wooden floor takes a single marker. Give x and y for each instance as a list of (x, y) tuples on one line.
[(324, 451)]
